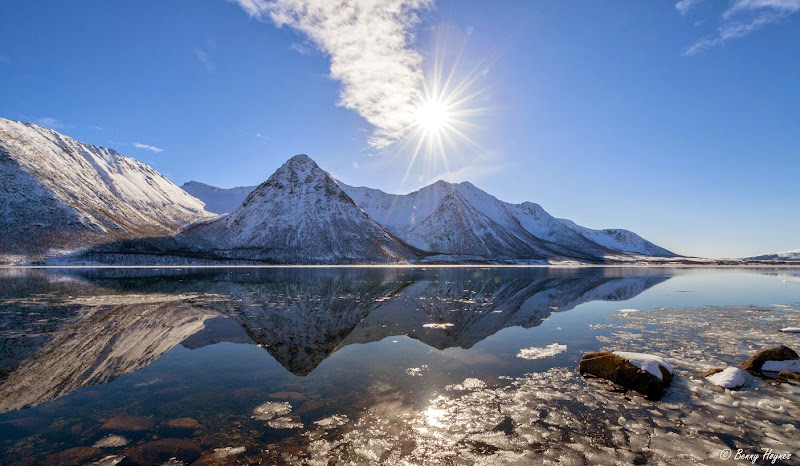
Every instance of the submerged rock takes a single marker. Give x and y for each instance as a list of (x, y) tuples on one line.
[(159, 451), (730, 377), (220, 457), (644, 373), (183, 423), (128, 423), (74, 456), (774, 353)]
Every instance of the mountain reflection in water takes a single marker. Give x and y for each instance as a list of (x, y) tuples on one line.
[(62, 331)]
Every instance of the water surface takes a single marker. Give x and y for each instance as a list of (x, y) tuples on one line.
[(444, 365)]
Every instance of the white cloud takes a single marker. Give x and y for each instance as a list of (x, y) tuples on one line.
[(685, 5), (356, 165), (369, 45), (740, 19), (155, 149), (261, 136), (51, 123)]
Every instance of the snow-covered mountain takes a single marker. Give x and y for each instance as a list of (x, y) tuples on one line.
[(59, 195), (299, 215), (462, 220), (793, 255), (218, 200)]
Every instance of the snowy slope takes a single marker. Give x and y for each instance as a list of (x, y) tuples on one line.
[(299, 215), (59, 194), (218, 200), (793, 255), (460, 218)]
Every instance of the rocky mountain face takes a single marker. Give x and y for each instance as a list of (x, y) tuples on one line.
[(218, 200), (299, 215), (460, 219), (59, 195), (68, 202)]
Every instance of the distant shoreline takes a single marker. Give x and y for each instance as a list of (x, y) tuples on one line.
[(414, 266)]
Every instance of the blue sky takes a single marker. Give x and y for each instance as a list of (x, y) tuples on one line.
[(681, 123)]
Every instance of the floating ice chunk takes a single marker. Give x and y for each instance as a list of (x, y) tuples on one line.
[(333, 421), (791, 329), (220, 453), (731, 377), (271, 409), (538, 353), (111, 441), (285, 423), (469, 384), (791, 365), (646, 362)]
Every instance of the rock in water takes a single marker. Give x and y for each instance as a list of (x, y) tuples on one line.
[(730, 377), (650, 378), (183, 423), (159, 451), (128, 423), (774, 353), (73, 456)]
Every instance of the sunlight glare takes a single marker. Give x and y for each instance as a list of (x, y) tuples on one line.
[(433, 116)]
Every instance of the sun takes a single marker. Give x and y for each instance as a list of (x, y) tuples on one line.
[(433, 116)]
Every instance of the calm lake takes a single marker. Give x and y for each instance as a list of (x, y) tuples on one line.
[(385, 365)]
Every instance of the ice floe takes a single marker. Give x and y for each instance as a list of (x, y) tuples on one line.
[(538, 353)]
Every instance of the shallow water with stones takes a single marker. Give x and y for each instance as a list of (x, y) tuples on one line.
[(386, 366)]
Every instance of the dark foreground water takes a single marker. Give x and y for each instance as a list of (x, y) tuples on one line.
[(386, 366)]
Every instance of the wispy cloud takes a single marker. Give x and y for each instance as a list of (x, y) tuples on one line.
[(369, 45), (51, 123), (203, 54), (740, 19), (4, 58), (685, 5), (155, 149)]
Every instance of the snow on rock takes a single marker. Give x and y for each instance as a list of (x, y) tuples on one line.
[(791, 329), (789, 365), (540, 353), (299, 215), (218, 200), (646, 362), (460, 219), (58, 195), (730, 377), (793, 255)]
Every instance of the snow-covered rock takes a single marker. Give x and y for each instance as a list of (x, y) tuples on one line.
[(218, 200), (460, 219), (299, 215), (730, 378), (789, 365), (791, 329), (647, 362), (58, 195)]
